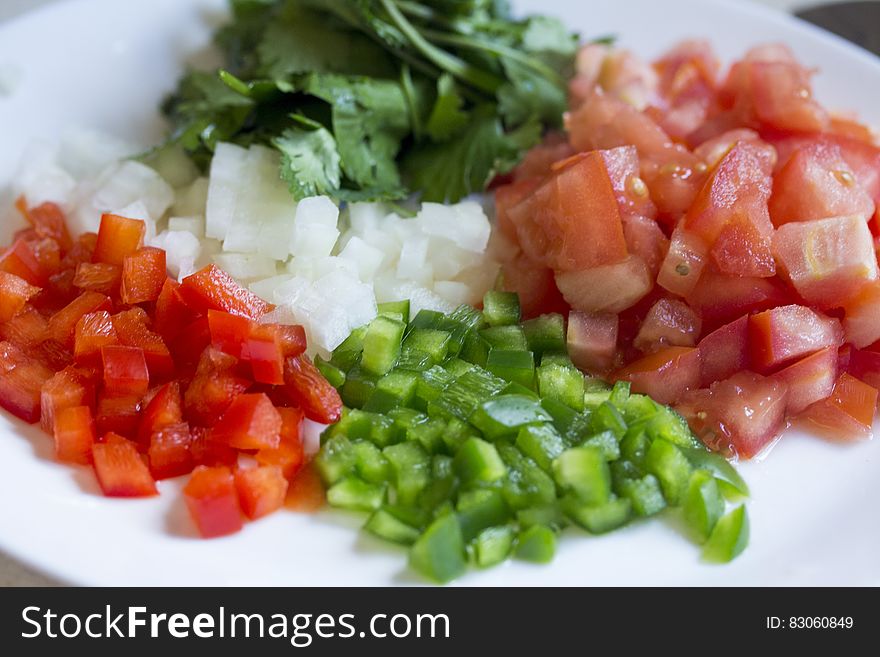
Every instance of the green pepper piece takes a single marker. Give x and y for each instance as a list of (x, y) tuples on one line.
[(634, 446), (703, 505), (536, 544), (563, 383), (411, 468), (359, 386), (475, 349), (479, 509), (644, 493), (336, 460), (700, 457), (439, 553), (479, 461), (514, 366), (433, 342), (729, 538), (493, 545), (607, 418), (509, 338), (669, 425), (384, 523), (542, 443), (527, 485), (370, 464), (382, 344), (597, 518), (549, 514), (334, 375), (671, 467), (506, 414), (398, 309), (443, 485), (400, 384), (584, 471), (355, 494), (607, 443), (347, 354), (501, 308), (545, 333)]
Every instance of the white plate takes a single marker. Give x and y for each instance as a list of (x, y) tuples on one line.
[(105, 64)]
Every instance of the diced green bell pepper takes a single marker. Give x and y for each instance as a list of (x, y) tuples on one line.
[(729, 538), (542, 443), (479, 461), (597, 518), (382, 344), (336, 459), (644, 493), (700, 457), (671, 467), (703, 505), (439, 553), (334, 375), (493, 545), (355, 494), (515, 366), (563, 383), (433, 342), (584, 471), (384, 523), (607, 443), (411, 468), (510, 338), (506, 414), (396, 309), (501, 308), (479, 509), (545, 333), (536, 544), (370, 463)]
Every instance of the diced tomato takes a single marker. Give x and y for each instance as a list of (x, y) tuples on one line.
[(164, 409), (213, 388), (572, 221), (306, 493), (169, 452), (664, 375), (848, 413), (229, 333), (14, 294), (62, 325), (310, 391), (724, 352), (19, 259), (212, 500), (684, 263), (93, 331), (143, 275), (809, 380), (669, 323), (742, 414), (132, 328), (817, 183), (592, 340), (645, 239), (261, 490), (720, 299), (730, 213), (118, 414), (781, 335), (633, 197), (49, 221), (206, 450), (827, 261), (250, 422), (861, 321), (125, 370), (507, 196), (25, 329), (535, 284), (713, 151), (98, 277), (606, 288), (21, 381), (172, 314), (67, 388), (118, 237), (290, 454), (783, 99), (74, 435), (120, 469), (537, 161), (263, 349), (688, 81), (212, 288)]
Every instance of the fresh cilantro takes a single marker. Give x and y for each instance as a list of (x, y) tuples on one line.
[(310, 163), (447, 116)]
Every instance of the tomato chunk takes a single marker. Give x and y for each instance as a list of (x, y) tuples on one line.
[(118, 237), (75, 435), (93, 331), (14, 294), (250, 422), (865, 366), (21, 382), (664, 375), (261, 490), (645, 239), (310, 391), (741, 415), (781, 335), (724, 352), (212, 288), (848, 413), (572, 222), (125, 370), (535, 285), (683, 265), (861, 323), (669, 323), (212, 500), (592, 340), (120, 469), (67, 388), (143, 275), (98, 277), (607, 288), (169, 452), (809, 380), (720, 299), (829, 260)]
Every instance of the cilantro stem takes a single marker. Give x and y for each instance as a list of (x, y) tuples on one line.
[(454, 65), (409, 93)]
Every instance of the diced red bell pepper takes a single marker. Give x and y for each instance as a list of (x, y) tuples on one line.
[(19, 259), (307, 388), (164, 409), (21, 381), (25, 329), (120, 469), (206, 450), (784, 334), (809, 380), (189, 346), (75, 435), (172, 315), (118, 237), (118, 414), (213, 388), (125, 370), (229, 333), (81, 251), (289, 455), (261, 490), (60, 289), (664, 375), (669, 323), (132, 328), (264, 350), (169, 452), (69, 387), (212, 288), (592, 340), (48, 220), (212, 500), (724, 352), (15, 292), (848, 413), (93, 331), (742, 414), (98, 277), (250, 422), (62, 325), (143, 275)]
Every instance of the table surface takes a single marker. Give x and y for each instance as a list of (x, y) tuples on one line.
[(13, 573)]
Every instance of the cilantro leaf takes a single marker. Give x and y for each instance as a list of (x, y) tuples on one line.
[(310, 163), (529, 94), (447, 116)]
